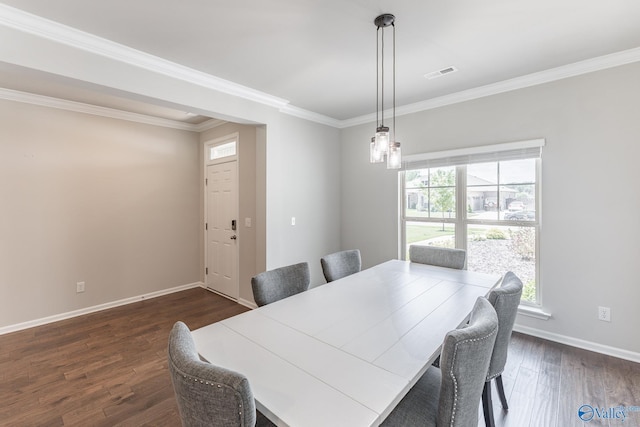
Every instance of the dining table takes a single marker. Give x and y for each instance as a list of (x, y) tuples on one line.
[(346, 352)]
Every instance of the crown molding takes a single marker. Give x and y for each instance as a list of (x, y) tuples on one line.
[(310, 115), (79, 107), (32, 24), (578, 68), (209, 124), (26, 22)]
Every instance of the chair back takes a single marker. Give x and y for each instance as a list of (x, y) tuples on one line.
[(464, 362), (505, 300), (341, 264), (442, 257), (274, 285), (207, 395)]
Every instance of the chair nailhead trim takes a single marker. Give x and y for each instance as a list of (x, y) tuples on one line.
[(186, 377), (201, 381), (455, 381)]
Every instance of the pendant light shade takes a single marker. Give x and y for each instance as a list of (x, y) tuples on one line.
[(394, 158), (382, 139), (383, 143), (375, 155)]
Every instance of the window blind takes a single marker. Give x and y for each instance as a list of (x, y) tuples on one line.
[(464, 156)]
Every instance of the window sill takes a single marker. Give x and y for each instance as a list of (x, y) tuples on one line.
[(534, 312)]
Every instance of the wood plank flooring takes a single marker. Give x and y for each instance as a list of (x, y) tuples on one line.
[(103, 369), (546, 383), (109, 369)]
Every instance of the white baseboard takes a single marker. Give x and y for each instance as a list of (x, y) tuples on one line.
[(241, 301), (250, 304), (95, 308), (562, 339), (576, 342)]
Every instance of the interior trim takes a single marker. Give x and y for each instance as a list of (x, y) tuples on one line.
[(311, 116), (546, 76), (59, 33), (32, 24), (537, 313), (79, 107), (576, 342), (95, 308), (482, 149)]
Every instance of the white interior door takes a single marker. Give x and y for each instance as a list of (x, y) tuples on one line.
[(222, 244)]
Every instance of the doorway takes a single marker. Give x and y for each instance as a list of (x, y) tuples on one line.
[(221, 217)]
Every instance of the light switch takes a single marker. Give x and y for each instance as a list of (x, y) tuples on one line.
[(247, 222), (293, 220)]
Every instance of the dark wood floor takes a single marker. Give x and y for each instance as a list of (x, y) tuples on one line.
[(109, 369), (546, 383), (104, 369)]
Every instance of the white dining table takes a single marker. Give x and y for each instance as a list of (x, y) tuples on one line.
[(346, 352)]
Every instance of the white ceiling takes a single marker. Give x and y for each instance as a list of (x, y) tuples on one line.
[(320, 54)]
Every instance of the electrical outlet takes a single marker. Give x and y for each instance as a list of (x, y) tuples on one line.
[(604, 314), (79, 287), (293, 220)]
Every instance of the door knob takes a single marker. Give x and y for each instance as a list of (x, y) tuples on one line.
[(234, 237)]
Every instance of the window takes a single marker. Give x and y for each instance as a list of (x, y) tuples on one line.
[(489, 208), (222, 150), (430, 194)]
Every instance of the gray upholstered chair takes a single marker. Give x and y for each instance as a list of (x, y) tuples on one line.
[(505, 300), (340, 264), (442, 257), (450, 396), (273, 285), (208, 395)]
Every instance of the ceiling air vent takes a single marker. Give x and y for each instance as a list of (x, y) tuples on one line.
[(441, 73)]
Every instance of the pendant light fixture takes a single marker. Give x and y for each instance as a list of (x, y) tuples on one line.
[(383, 144)]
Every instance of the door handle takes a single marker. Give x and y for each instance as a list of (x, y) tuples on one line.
[(234, 237)]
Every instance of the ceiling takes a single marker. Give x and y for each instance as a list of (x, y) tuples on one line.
[(320, 54)]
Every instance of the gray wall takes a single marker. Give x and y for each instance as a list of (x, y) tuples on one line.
[(589, 236), (294, 174), (84, 198), (119, 205), (297, 174), (303, 181), (588, 240)]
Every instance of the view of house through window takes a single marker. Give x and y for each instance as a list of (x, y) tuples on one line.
[(488, 209)]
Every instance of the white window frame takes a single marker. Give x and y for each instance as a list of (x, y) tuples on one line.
[(460, 159), (209, 145)]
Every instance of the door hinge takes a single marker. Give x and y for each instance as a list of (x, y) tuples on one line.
[(206, 225), (206, 181), (206, 270)]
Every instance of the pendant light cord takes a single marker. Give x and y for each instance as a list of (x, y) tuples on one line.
[(377, 77), (382, 81), (384, 143), (380, 76), (394, 83)]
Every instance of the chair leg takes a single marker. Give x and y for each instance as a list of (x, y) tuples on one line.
[(503, 398), (487, 406)]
